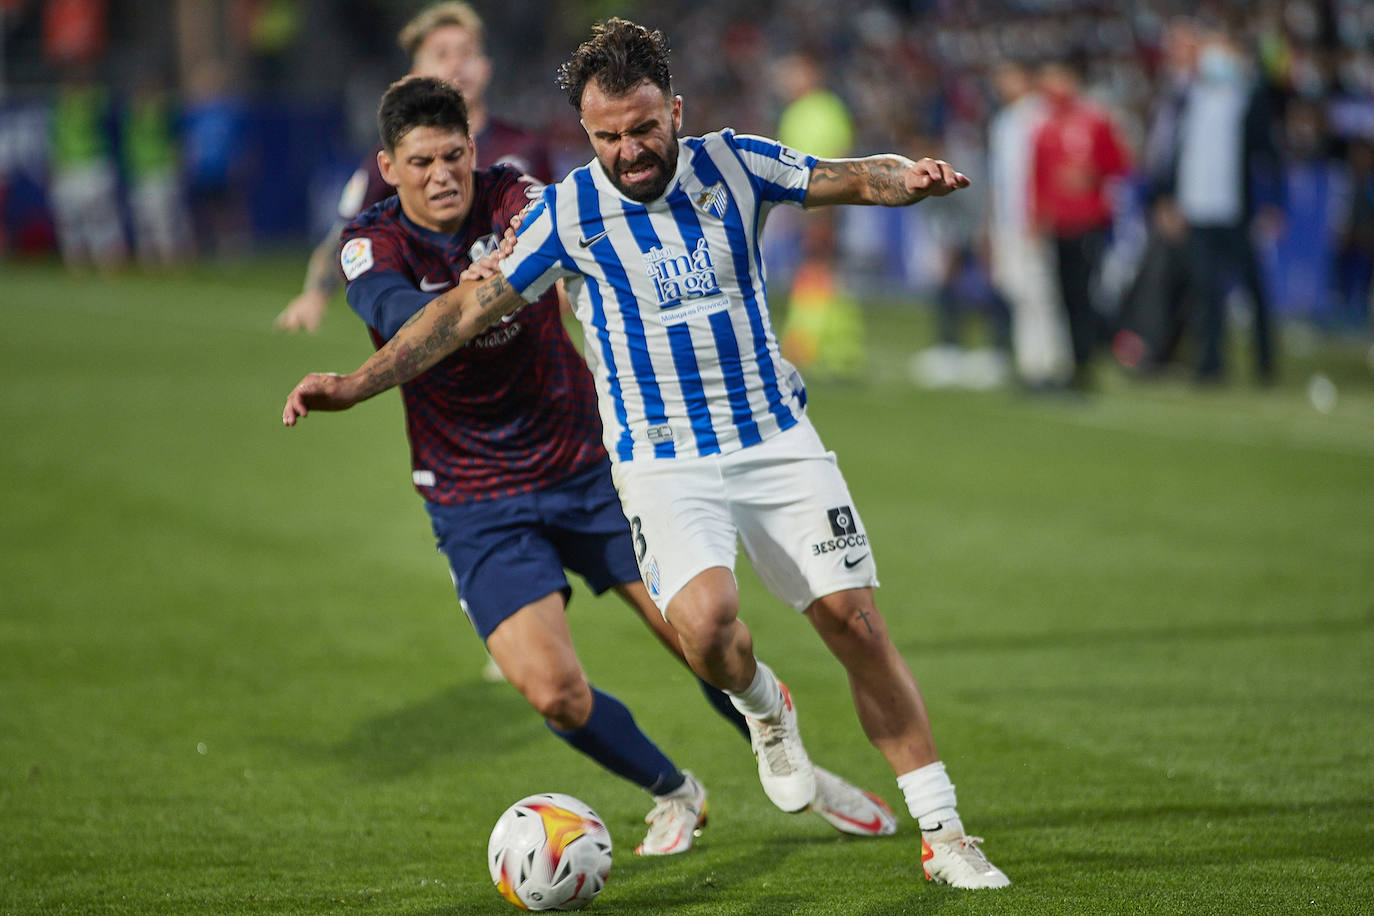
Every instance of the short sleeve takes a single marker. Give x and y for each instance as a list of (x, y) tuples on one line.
[(539, 259), (782, 173)]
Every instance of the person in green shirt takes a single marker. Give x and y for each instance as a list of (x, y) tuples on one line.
[(823, 331), (152, 168), (83, 184)]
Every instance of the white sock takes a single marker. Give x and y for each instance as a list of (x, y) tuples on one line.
[(930, 797), (762, 699)]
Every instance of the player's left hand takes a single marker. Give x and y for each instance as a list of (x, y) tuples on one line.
[(317, 391), (486, 267), (304, 313), (934, 178)]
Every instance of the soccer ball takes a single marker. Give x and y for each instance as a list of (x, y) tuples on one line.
[(549, 852)]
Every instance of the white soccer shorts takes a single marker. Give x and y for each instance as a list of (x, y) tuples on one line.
[(784, 499)]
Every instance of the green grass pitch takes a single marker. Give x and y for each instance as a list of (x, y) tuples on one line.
[(234, 679)]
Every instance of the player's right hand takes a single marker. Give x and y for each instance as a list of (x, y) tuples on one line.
[(934, 178), (317, 391)]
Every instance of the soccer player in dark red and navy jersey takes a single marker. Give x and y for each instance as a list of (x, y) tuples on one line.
[(506, 450), (445, 41)]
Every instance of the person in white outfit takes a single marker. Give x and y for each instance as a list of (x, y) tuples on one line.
[(1021, 267)]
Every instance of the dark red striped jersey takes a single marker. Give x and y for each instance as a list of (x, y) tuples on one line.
[(511, 412)]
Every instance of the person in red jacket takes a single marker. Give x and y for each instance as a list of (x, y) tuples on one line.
[(1076, 154)]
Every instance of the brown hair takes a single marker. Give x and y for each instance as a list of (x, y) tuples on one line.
[(619, 56), (434, 17)]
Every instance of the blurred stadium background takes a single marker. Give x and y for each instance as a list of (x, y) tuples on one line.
[(273, 102)]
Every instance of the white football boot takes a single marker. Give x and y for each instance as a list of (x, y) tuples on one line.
[(784, 768), (850, 809), (950, 856), (676, 820)]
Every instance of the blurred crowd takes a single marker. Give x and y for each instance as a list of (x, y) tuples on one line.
[(1146, 173)]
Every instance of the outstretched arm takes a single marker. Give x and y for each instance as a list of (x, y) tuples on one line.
[(887, 180), (435, 331), (322, 279)]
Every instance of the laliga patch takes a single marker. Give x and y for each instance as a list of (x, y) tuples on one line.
[(356, 257)]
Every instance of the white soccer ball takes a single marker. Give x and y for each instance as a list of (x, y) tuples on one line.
[(549, 852)]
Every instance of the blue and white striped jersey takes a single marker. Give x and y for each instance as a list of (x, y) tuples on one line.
[(672, 297)]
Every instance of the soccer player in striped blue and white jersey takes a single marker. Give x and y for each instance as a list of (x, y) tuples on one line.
[(657, 240)]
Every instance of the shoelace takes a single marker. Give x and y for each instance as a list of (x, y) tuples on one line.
[(664, 807), (774, 744), (969, 845)]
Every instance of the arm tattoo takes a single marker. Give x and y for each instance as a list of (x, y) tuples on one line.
[(874, 180), (886, 184), (491, 292), (408, 360), (403, 358), (378, 380), (827, 170)]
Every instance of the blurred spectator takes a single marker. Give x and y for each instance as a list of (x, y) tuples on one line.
[(1356, 274), (1020, 260), (152, 167), (84, 183), (1154, 314), (1300, 243), (75, 32), (963, 290), (268, 31), (903, 70), (217, 164), (823, 328), (1076, 153), (1226, 150)]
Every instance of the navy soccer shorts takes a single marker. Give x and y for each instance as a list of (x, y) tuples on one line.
[(509, 552)]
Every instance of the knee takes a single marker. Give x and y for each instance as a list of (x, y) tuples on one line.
[(705, 628), (564, 700)]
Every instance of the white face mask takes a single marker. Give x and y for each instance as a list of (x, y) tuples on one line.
[(1218, 65)]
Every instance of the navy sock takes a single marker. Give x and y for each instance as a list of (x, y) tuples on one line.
[(717, 698), (612, 739)]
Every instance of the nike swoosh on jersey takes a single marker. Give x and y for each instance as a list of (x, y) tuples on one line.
[(850, 564), (589, 242), (428, 287)]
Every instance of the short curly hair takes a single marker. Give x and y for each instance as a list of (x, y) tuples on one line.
[(619, 56)]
